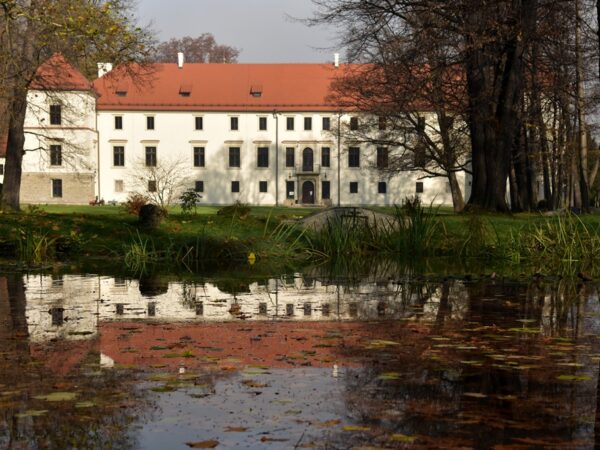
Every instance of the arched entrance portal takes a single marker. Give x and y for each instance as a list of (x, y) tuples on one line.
[(307, 160), (308, 193)]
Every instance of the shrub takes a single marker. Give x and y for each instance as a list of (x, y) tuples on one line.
[(134, 203), (189, 201), (238, 209)]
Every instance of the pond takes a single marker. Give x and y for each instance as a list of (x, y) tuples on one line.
[(298, 361)]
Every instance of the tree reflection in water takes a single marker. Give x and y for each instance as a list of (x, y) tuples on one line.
[(103, 405)]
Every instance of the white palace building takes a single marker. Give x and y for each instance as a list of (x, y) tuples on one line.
[(263, 134)]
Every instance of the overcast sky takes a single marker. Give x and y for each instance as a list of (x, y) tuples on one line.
[(259, 28)]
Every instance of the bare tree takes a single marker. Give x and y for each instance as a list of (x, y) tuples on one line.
[(162, 181), (201, 49)]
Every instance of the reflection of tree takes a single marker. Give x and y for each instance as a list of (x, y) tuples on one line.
[(114, 400), (480, 381)]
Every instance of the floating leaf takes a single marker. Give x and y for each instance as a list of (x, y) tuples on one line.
[(327, 423), (402, 438), (474, 395), (57, 396), (574, 377), (203, 444), (355, 428), (86, 404), (32, 413), (236, 429), (389, 376)]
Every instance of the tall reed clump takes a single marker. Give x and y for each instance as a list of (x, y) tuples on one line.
[(343, 238), (35, 247), (139, 252), (562, 239), (417, 229)]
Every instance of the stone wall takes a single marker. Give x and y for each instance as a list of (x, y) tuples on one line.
[(77, 189)]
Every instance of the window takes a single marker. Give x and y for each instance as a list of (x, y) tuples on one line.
[(262, 157), (199, 123), (234, 121), (55, 114), (119, 309), (354, 123), (289, 189), (235, 186), (262, 309), (325, 190), (421, 125), (151, 185), (262, 186), (150, 122), (1, 169), (199, 157), (118, 156), (200, 308), (382, 157), (325, 157), (289, 157), (57, 316), (199, 186), (151, 309), (289, 309), (234, 157), (307, 309), (354, 157), (151, 156), (354, 187), (308, 123), (382, 123), (382, 187), (262, 123), (419, 187), (55, 155), (289, 123), (118, 122), (325, 309), (57, 190), (119, 186), (326, 123)]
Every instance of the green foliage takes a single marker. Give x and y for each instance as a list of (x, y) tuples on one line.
[(189, 201), (417, 229), (35, 247)]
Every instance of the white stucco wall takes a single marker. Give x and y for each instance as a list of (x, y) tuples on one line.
[(175, 137)]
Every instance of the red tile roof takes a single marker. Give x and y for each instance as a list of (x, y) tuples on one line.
[(221, 87), (58, 74)]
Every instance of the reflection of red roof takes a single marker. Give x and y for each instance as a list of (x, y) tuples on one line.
[(58, 74), (62, 356), (221, 87), (231, 344)]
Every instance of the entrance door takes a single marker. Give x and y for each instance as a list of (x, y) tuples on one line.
[(308, 193), (307, 160)]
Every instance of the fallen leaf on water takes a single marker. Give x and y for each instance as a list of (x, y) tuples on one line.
[(203, 444), (355, 428), (327, 423), (86, 404), (389, 376), (474, 395), (235, 429), (399, 437), (32, 413), (57, 396), (574, 377), (254, 384)]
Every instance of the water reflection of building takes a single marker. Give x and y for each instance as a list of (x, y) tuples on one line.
[(71, 307)]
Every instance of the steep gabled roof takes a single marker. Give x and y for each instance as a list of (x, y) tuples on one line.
[(57, 74), (219, 87)]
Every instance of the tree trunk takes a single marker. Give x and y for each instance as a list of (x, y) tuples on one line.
[(583, 150), (14, 154), (457, 197)]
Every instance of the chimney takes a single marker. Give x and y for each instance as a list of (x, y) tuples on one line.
[(180, 60), (336, 59), (104, 68)]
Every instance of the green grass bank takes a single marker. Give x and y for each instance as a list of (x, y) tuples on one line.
[(207, 239)]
